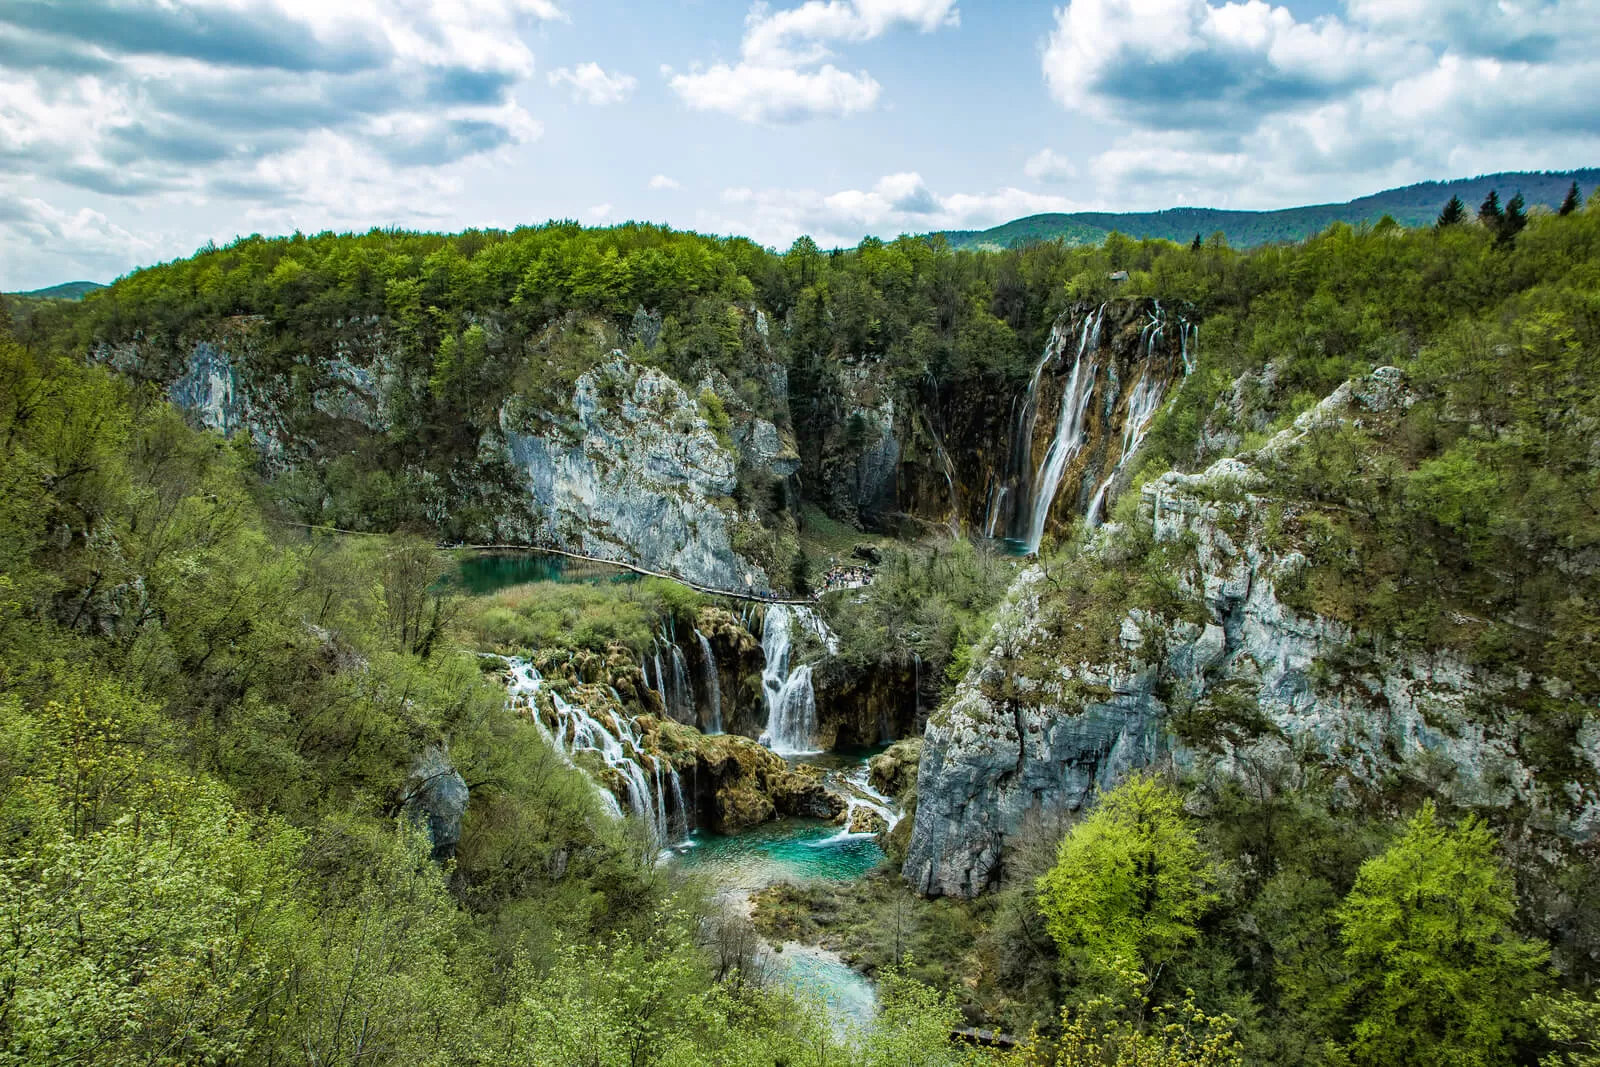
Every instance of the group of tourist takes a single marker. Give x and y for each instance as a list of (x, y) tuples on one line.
[(845, 577)]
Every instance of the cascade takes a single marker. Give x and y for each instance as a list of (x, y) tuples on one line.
[(681, 830), (791, 700), (1142, 405), (713, 684), (682, 691), (860, 794), (1069, 428), (618, 745)]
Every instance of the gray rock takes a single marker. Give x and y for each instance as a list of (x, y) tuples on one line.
[(1083, 726), (436, 792), (638, 476)]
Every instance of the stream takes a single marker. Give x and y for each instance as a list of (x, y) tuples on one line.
[(800, 850)]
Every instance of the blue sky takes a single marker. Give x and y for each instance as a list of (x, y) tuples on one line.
[(133, 131)]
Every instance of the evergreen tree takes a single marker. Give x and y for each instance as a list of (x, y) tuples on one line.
[(1489, 212), (1437, 973), (1573, 201), (1454, 213), (1515, 219), (1196, 245)]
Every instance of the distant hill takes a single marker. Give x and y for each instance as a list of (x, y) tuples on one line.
[(1414, 205), (64, 291)]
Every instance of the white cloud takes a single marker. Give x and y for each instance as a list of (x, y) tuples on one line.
[(590, 84), (1242, 104), (597, 215), (777, 94), (662, 182), (173, 95), (783, 74), (1048, 165), (896, 204), (299, 110)]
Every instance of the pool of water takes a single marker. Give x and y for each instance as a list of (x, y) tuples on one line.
[(483, 573), (849, 996), (785, 850)]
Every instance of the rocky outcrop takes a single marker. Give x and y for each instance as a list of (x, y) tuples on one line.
[(859, 709), (638, 474), (436, 795), (1031, 728), (734, 783), (893, 771)]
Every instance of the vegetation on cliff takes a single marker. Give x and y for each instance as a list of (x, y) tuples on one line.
[(212, 848)]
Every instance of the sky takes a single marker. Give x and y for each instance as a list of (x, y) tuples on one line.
[(135, 131)]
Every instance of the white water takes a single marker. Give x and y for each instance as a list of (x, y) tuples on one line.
[(713, 685), (1142, 405), (791, 701), (682, 691), (619, 747), (858, 792), (1069, 436)]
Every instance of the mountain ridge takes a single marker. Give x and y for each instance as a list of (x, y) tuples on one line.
[(1409, 205)]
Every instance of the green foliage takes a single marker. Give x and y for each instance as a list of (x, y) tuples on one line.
[(1130, 881), (932, 604), (1114, 1030), (1573, 1024), (1454, 213), (1437, 974)]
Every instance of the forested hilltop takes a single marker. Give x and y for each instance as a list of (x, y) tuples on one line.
[(1412, 205), (1280, 746)]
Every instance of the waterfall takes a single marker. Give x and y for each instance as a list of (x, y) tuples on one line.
[(1069, 428), (859, 794), (681, 830), (996, 505), (618, 745), (791, 700), (682, 691), (713, 684)]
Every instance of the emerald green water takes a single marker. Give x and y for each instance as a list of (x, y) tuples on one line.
[(484, 573), (797, 850), (786, 850)]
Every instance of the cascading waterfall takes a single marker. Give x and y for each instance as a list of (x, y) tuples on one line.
[(681, 829), (1142, 405), (791, 700), (682, 691), (713, 684), (1069, 437), (617, 745), (859, 794)]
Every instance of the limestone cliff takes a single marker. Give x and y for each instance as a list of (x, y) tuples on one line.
[(636, 473), (1224, 678), (629, 464)]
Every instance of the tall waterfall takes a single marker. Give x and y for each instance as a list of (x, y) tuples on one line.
[(682, 691), (617, 744), (791, 701), (1069, 435), (713, 685)]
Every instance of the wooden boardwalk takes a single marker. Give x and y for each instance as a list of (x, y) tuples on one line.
[(699, 587)]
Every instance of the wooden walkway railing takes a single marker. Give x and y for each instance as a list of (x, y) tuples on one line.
[(699, 587)]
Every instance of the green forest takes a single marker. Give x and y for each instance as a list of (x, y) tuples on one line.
[(213, 715)]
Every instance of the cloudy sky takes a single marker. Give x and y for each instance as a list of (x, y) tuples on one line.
[(133, 131)]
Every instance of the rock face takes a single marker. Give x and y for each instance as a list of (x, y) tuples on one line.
[(637, 475), (866, 708), (436, 793), (1050, 737)]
